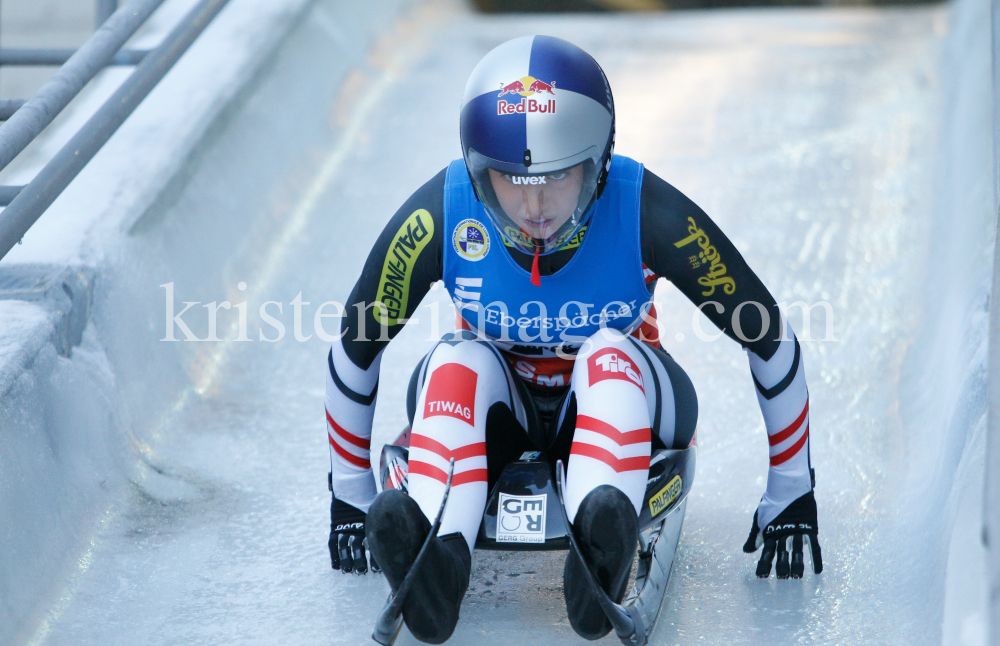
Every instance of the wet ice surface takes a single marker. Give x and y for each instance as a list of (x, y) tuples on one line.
[(806, 134)]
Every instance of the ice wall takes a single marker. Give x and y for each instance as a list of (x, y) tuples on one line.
[(991, 508), (947, 370), (85, 384)]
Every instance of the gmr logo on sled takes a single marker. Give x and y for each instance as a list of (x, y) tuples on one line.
[(521, 519)]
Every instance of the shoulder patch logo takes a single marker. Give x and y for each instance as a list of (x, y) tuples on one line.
[(394, 284), (471, 240)]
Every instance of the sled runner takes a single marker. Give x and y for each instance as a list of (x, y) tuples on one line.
[(525, 511)]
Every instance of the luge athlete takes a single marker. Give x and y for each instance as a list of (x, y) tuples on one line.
[(550, 247)]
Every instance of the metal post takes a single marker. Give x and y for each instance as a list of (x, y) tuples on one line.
[(56, 94), (8, 107), (61, 56), (104, 9), (43, 190), (8, 193)]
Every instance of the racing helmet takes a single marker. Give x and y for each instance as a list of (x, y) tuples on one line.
[(538, 133)]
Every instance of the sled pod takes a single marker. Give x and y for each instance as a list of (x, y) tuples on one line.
[(524, 512), (521, 512)]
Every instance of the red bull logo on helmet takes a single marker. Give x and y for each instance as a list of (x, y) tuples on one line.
[(526, 87)]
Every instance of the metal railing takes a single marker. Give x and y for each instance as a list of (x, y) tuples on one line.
[(61, 56), (25, 119)]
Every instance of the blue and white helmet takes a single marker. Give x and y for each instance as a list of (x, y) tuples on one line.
[(533, 107)]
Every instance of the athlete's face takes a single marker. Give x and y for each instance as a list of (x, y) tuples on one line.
[(539, 208)]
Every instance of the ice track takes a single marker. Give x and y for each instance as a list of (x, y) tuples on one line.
[(827, 143)]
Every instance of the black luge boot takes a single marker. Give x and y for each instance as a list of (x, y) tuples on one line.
[(396, 530), (607, 530)]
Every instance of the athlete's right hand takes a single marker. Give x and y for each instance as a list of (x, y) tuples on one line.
[(347, 539)]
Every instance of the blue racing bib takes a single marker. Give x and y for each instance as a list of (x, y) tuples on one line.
[(601, 286)]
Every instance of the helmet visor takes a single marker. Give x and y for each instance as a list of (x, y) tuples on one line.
[(544, 209)]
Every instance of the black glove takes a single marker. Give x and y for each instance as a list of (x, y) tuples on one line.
[(797, 520), (347, 539)]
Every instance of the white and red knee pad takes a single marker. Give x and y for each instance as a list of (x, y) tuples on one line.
[(461, 379), (624, 396)]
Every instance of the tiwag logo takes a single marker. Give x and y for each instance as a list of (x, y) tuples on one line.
[(452, 393), (612, 364), (525, 87), (445, 407)]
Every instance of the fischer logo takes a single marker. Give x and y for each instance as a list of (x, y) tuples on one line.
[(611, 364), (534, 86), (452, 393)]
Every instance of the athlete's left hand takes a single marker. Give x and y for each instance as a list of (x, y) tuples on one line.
[(347, 539), (798, 522)]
